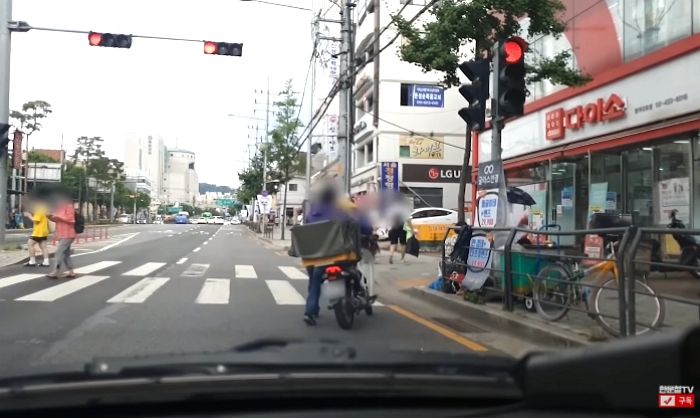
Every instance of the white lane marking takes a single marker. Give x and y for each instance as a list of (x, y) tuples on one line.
[(215, 291), (144, 270), (182, 260), (170, 235), (195, 270), (91, 268), (243, 271), (284, 293), (196, 249), (377, 303), (63, 289), (18, 278), (110, 245), (139, 291), (293, 273), (205, 242)]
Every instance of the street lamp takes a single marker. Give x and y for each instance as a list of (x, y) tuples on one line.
[(281, 5)]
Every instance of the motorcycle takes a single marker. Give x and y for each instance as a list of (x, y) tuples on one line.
[(347, 292), (690, 249)]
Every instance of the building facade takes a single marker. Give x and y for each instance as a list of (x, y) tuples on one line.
[(145, 160), (404, 120), (628, 141), (180, 180)]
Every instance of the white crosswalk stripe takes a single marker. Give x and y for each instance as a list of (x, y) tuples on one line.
[(64, 289), (91, 268), (139, 291), (293, 273), (284, 293), (144, 270), (18, 278), (215, 291), (195, 270), (245, 272)]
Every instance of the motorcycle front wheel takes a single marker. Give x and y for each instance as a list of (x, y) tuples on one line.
[(344, 313)]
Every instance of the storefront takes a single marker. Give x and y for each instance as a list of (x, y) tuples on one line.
[(628, 144)]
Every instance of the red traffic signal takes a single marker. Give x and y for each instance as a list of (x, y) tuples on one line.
[(109, 40), (223, 48), (210, 48), (513, 52)]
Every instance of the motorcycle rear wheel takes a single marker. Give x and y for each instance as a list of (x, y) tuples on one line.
[(344, 313)]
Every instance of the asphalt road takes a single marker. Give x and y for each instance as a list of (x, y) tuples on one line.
[(178, 288)]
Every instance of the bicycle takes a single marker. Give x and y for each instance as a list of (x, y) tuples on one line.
[(563, 283)]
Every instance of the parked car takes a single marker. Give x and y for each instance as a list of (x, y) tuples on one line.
[(439, 216), (202, 220), (235, 221), (124, 218), (194, 220), (218, 220), (142, 221)]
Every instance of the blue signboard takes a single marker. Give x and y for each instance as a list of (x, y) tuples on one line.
[(426, 96), (389, 176)]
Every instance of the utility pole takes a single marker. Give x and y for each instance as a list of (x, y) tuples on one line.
[(350, 79), (267, 131), (5, 43), (347, 101), (307, 190)]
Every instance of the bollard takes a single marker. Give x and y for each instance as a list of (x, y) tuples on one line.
[(93, 234)]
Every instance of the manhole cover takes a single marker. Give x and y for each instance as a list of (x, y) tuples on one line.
[(458, 324)]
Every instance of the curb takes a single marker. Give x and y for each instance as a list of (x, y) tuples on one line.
[(501, 320)]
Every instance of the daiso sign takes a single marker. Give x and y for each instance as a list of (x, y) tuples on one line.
[(559, 120)]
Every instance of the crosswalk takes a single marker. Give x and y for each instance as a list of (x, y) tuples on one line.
[(284, 287)]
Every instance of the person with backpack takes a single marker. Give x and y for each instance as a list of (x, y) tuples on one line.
[(68, 225)]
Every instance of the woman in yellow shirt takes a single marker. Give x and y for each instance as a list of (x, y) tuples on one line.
[(40, 234)]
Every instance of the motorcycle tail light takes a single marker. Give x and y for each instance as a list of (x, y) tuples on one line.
[(333, 270)]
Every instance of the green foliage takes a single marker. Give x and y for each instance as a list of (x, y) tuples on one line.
[(251, 180), (37, 157), (285, 140), (435, 45), (28, 120)]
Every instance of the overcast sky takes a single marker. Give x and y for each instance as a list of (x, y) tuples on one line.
[(157, 87)]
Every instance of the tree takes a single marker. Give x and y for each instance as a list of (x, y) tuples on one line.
[(251, 180), (285, 143), (28, 120), (436, 45), (100, 172)]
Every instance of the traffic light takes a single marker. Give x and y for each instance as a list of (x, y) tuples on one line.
[(511, 77), (476, 93), (110, 40), (223, 48)]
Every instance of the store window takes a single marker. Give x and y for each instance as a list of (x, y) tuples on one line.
[(605, 194), (293, 187), (653, 24), (638, 184), (672, 180)]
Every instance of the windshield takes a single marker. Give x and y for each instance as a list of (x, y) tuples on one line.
[(190, 176)]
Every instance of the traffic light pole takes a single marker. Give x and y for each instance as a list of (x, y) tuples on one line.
[(5, 43), (350, 96)]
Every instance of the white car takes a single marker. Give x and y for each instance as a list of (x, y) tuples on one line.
[(235, 221), (202, 221), (439, 216), (218, 220)]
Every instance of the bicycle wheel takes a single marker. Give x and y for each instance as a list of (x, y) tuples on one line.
[(649, 308), (552, 292)]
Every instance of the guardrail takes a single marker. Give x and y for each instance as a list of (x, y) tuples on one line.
[(91, 233), (551, 280)]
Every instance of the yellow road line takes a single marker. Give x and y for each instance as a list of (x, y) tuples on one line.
[(474, 346)]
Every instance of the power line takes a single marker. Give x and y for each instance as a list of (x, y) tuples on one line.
[(413, 133)]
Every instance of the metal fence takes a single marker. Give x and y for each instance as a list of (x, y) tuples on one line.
[(626, 289)]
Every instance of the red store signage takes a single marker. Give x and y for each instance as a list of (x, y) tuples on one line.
[(560, 119)]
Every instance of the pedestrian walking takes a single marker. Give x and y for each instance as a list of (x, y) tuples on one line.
[(39, 236), (397, 236), (64, 217)]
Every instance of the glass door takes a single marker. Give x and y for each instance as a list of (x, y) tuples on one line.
[(638, 185), (563, 198)]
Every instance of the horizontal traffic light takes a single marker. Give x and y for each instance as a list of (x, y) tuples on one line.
[(110, 40), (223, 48)]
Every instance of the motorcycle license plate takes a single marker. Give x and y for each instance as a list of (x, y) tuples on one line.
[(331, 291)]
